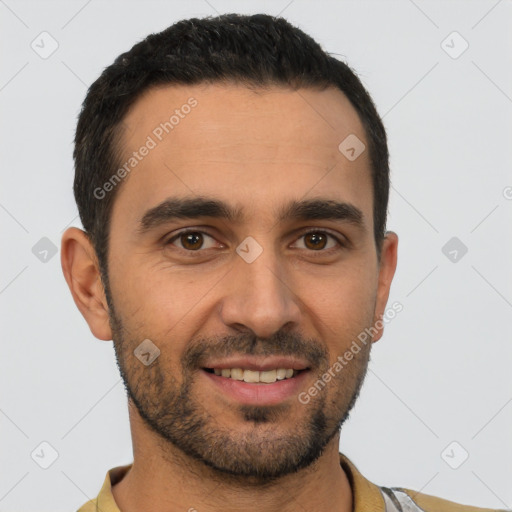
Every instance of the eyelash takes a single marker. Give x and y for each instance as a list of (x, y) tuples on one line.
[(341, 245)]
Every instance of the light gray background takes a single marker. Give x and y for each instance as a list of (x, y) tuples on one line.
[(441, 373)]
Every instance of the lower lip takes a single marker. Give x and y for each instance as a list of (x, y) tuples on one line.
[(258, 393)]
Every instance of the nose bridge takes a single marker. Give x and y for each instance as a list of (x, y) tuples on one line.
[(260, 296)]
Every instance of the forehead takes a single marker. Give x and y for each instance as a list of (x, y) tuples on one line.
[(225, 140)]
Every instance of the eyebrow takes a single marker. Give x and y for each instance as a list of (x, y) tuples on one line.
[(193, 208)]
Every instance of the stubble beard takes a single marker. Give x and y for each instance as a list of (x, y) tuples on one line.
[(266, 451)]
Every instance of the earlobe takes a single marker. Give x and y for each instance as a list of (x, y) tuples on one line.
[(81, 271), (387, 267)]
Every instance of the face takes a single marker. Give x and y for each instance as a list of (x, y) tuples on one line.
[(271, 266)]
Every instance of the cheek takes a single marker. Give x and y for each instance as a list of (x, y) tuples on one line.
[(343, 308), (139, 301), (171, 294), (139, 289), (163, 304), (349, 289)]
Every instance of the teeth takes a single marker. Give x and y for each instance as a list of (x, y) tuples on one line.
[(250, 376), (281, 374), (268, 376), (237, 374)]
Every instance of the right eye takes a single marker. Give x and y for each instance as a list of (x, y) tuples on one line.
[(190, 240)]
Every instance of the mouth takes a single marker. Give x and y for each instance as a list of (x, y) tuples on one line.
[(250, 382), (255, 376)]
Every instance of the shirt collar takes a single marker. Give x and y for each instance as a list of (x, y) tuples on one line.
[(365, 494)]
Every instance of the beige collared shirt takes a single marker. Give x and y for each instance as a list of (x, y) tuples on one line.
[(367, 497)]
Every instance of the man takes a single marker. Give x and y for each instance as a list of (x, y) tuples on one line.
[(232, 180)]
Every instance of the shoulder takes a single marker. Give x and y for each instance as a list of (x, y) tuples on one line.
[(369, 496), (105, 501), (399, 499)]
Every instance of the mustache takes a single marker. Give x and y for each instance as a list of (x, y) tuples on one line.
[(282, 344)]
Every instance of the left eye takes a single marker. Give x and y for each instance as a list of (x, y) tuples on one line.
[(318, 240), (192, 241)]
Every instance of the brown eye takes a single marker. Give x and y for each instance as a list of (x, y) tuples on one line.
[(315, 240), (318, 241), (191, 241)]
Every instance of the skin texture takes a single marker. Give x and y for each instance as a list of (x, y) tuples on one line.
[(195, 447)]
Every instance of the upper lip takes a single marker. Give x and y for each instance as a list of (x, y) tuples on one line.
[(259, 363)]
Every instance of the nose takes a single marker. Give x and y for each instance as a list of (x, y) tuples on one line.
[(261, 296)]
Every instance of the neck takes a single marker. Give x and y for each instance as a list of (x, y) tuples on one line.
[(163, 479)]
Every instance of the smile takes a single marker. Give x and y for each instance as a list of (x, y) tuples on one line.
[(254, 376), (256, 387)]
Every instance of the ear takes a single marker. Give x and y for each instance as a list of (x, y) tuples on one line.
[(387, 266), (81, 271)]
